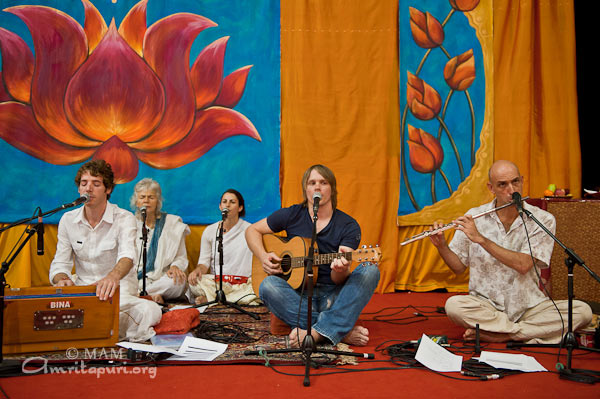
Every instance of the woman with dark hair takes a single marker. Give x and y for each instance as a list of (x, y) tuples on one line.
[(166, 253), (237, 258)]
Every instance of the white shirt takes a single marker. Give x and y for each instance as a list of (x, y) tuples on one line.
[(507, 290), (237, 258), (95, 250)]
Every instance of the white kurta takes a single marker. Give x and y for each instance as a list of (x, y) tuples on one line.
[(95, 251), (237, 258), (237, 261), (171, 252)]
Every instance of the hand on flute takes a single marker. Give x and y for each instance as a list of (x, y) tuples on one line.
[(438, 239), (467, 226)]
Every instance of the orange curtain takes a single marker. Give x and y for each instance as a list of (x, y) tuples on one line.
[(536, 123), (339, 107), (339, 72)]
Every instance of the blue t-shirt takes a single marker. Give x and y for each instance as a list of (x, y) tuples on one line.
[(342, 229)]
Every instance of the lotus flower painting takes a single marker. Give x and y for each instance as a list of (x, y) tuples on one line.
[(185, 92), (442, 100)]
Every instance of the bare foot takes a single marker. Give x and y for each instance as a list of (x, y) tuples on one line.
[(358, 336), (486, 336), (200, 300), (297, 335)]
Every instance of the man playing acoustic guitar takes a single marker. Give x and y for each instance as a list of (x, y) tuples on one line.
[(339, 294)]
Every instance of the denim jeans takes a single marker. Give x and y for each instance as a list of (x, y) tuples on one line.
[(335, 308)]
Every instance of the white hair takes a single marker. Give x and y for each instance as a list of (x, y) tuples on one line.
[(146, 184)]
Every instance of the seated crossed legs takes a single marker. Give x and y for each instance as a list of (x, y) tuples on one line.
[(166, 288), (336, 308), (539, 325), (237, 289)]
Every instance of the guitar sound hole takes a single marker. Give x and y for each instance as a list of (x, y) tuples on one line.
[(286, 265)]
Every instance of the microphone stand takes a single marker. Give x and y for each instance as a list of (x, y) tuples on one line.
[(144, 253), (309, 346), (220, 297), (569, 341), (30, 230)]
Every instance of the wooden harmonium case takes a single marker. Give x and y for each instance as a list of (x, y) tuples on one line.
[(41, 319)]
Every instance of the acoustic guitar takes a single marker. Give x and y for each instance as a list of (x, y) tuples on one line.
[(293, 252)]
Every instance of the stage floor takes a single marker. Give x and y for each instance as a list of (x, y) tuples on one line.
[(391, 319)]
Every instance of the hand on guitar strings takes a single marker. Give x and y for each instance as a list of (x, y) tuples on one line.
[(271, 263)]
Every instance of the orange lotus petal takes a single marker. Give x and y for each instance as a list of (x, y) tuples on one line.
[(413, 134), (207, 72), (459, 71), (420, 158), (120, 157), (114, 93), (133, 27), (425, 152), (19, 128), (421, 111), (423, 100), (60, 48), (212, 126), (434, 146), (432, 99), (426, 30), (94, 25), (4, 96), (414, 87), (17, 65), (233, 87), (167, 51), (464, 5)]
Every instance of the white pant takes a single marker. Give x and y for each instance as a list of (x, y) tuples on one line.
[(164, 286), (136, 318), (540, 324), (242, 294)]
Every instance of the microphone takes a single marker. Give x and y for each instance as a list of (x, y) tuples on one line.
[(518, 202), (316, 198), (224, 213), (144, 229), (40, 234), (81, 200)]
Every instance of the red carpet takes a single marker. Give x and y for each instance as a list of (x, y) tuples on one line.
[(374, 379)]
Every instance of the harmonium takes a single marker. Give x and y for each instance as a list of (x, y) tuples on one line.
[(44, 319)]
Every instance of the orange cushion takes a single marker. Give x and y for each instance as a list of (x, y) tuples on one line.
[(178, 321), (278, 327)]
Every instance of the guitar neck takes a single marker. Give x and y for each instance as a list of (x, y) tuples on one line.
[(321, 259), (326, 259)]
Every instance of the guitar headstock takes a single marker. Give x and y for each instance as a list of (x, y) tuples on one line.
[(367, 254)]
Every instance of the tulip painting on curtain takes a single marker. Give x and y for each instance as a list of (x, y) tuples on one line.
[(183, 91), (442, 100)]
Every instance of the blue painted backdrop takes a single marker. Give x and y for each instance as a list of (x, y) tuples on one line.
[(459, 38), (193, 190)]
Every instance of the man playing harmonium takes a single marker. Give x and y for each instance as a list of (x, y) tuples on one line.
[(500, 250), (99, 239)]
